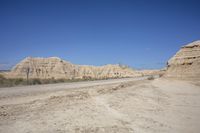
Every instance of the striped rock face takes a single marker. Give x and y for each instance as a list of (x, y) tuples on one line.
[(107, 71), (186, 62), (42, 68), (54, 67)]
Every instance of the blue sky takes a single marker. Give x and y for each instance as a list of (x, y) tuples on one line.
[(141, 34)]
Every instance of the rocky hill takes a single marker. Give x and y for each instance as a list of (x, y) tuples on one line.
[(54, 67), (107, 71), (185, 63)]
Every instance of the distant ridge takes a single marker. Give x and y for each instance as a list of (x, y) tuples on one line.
[(184, 64), (54, 67)]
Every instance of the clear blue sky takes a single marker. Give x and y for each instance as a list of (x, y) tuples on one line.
[(141, 34)]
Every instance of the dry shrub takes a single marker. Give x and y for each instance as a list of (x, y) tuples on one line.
[(151, 78)]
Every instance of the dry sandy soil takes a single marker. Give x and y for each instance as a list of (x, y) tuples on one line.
[(122, 106)]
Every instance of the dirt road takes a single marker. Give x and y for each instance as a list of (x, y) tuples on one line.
[(122, 105)]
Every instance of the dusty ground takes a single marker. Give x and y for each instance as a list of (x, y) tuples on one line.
[(126, 105)]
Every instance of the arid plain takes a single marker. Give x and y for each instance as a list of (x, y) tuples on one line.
[(126, 105)]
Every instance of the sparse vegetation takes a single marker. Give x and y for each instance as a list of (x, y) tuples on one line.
[(8, 82), (151, 78), (4, 82)]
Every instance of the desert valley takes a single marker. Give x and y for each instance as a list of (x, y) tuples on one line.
[(121, 99)]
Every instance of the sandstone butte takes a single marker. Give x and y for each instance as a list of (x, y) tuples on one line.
[(185, 64), (54, 67)]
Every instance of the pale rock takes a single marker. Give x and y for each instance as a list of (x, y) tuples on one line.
[(185, 63), (54, 67)]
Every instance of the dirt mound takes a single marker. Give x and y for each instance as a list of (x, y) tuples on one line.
[(186, 62)]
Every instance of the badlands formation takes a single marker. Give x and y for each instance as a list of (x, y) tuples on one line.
[(186, 63), (128, 105), (54, 67)]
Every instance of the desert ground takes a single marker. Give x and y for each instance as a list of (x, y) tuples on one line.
[(134, 105)]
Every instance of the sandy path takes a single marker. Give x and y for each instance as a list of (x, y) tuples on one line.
[(16, 95), (128, 105)]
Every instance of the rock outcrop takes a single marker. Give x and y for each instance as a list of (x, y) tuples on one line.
[(53, 67), (186, 62), (107, 71), (43, 68)]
